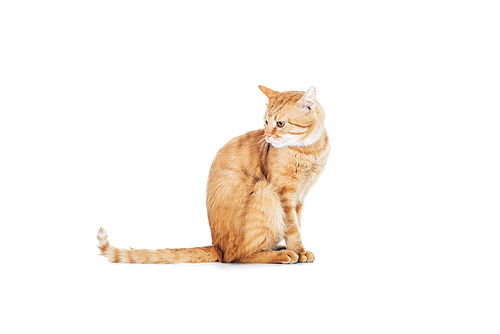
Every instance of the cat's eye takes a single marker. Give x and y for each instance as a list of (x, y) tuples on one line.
[(280, 124)]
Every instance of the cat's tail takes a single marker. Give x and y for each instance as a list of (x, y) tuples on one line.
[(158, 256)]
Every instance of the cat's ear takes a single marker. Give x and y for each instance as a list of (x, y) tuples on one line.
[(309, 99), (269, 92)]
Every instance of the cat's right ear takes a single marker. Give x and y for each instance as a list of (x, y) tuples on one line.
[(309, 99), (269, 92)]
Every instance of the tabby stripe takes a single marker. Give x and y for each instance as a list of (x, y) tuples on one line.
[(292, 229), (116, 256), (287, 190), (129, 256), (278, 105), (300, 126), (324, 144), (297, 133), (272, 105), (275, 102)]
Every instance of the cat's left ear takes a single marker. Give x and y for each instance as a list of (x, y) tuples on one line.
[(268, 91), (309, 99)]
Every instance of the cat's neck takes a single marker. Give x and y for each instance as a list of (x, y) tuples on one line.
[(321, 139)]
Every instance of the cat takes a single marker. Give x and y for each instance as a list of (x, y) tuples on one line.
[(256, 189)]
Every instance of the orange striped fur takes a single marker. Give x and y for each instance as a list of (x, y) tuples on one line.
[(256, 189)]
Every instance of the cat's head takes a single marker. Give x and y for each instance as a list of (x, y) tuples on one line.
[(292, 118)]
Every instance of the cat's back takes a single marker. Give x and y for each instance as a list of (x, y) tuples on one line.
[(235, 170), (241, 154)]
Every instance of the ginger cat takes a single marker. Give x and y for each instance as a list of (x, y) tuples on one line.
[(256, 189)]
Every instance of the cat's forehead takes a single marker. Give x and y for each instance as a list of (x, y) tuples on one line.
[(283, 104)]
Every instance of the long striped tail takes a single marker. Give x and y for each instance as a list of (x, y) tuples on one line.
[(159, 256)]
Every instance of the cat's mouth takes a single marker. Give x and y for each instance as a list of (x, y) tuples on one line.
[(271, 140)]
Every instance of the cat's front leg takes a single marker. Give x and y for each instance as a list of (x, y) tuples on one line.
[(292, 235), (298, 209)]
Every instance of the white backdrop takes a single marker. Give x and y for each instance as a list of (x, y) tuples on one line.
[(112, 111)]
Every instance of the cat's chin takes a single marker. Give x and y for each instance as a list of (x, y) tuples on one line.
[(288, 140), (280, 145), (276, 144)]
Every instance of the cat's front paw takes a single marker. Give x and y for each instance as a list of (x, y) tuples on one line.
[(306, 256), (287, 256)]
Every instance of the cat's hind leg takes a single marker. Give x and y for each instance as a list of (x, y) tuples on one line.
[(282, 256), (259, 230), (263, 226)]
